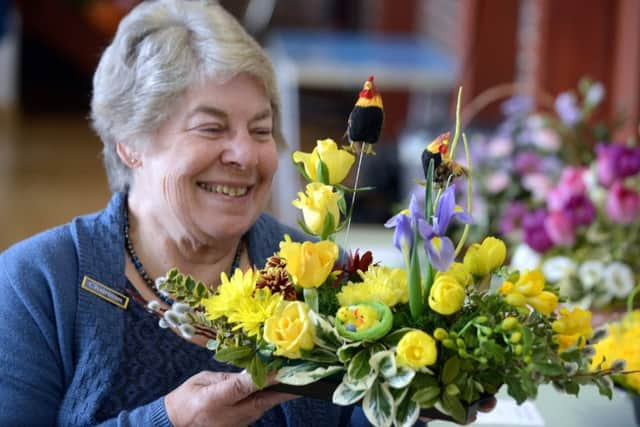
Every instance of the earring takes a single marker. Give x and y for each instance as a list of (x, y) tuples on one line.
[(133, 160)]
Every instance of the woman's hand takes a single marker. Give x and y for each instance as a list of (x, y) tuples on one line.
[(220, 399)]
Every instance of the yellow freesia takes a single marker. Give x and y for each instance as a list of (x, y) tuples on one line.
[(416, 349), (530, 283), (290, 329), (482, 259), (529, 289), (459, 272), (545, 302), (446, 295), (338, 161), (573, 327), (319, 201), (379, 284), (309, 263)]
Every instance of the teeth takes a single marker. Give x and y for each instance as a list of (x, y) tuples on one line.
[(224, 189)]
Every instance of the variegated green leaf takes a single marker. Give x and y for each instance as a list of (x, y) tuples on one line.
[(407, 413), (345, 394), (427, 396), (394, 337), (359, 367), (320, 355), (348, 351), (305, 373), (378, 405), (384, 362), (402, 378), (325, 333)]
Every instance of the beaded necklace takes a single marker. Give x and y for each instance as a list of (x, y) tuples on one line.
[(143, 273)]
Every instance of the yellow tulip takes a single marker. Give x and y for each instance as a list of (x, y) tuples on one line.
[(446, 295), (416, 349), (571, 326), (482, 259), (319, 202), (309, 263), (290, 329), (338, 161)]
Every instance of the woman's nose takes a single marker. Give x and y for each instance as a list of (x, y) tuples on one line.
[(241, 152)]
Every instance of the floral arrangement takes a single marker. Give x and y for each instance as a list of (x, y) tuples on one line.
[(448, 329)]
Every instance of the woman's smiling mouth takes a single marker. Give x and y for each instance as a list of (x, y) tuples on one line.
[(228, 190)]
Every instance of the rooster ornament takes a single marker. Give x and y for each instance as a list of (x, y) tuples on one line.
[(366, 118)]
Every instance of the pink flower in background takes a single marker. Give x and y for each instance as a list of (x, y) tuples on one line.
[(528, 162), (512, 217), (535, 233), (497, 182), (571, 184), (623, 204), (616, 161), (580, 210), (538, 184), (560, 229), (501, 146)]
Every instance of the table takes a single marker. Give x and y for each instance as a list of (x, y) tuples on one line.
[(343, 61)]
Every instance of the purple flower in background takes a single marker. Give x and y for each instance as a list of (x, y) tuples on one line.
[(580, 210), (528, 162), (517, 106), (571, 184), (560, 229), (595, 94), (535, 234), (623, 204), (512, 216), (616, 161), (567, 108)]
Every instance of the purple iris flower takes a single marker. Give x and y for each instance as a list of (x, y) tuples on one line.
[(405, 222), (439, 247)]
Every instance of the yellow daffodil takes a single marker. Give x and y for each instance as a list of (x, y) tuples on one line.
[(416, 349), (381, 284), (319, 201), (573, 327), (290, 329), (482, 259), (230, 293), (338, 161), (459, 272), (446, 295), (309, 263)]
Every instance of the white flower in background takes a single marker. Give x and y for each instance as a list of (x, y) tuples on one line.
[(596, 192), (499, 147), (590, 273), (546, 139), (595, 94), (558, 267), (618, 278), (525, 258)]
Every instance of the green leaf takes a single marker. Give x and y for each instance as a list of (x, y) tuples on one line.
[(385, 363), (233, 354), (305, 373), (548, 369), (407, 413), (342, 204), (304, 227), (258, 371), (322, 172), (359, 368), (320, 355), (450, 370), (300, 168), (345, 394), (515, 389), (454, 407), (402, 378), (393, 338), (378, 405), (427, 396), (348, 351), (329, 226), (605, 386)]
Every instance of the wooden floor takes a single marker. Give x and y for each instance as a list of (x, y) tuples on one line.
[(50, 172)]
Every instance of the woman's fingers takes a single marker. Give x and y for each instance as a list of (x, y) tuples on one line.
[(488, 404)]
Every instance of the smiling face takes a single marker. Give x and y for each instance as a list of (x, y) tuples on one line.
[(206, 174)]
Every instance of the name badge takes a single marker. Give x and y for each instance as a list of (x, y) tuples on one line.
[(106, 293)]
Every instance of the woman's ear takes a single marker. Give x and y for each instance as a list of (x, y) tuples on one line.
[(128, 156)]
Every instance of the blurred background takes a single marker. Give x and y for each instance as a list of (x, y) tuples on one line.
[(419, 50)]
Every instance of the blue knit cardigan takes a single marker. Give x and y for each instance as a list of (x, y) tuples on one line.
[(57, 340)]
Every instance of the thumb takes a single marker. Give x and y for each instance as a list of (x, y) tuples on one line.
[(237, 387)]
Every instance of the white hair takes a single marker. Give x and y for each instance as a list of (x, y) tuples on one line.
[(161, 49)]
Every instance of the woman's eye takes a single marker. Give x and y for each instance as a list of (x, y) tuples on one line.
[(263, 132)]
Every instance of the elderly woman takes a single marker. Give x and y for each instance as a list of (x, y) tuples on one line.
[(186, 106)]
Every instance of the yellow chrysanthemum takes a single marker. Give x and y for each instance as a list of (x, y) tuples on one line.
[(381, 284), (251, 313), (623, 342), (230, 293)]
